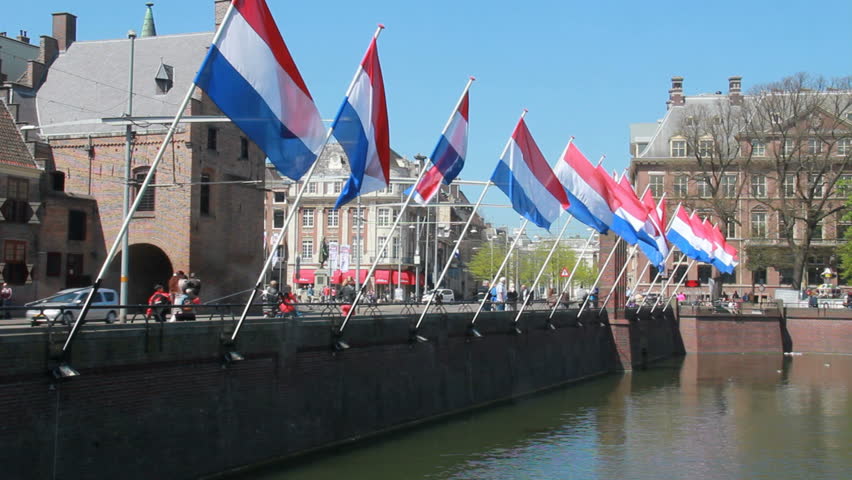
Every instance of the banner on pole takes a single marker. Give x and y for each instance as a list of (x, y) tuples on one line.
[(344, 258), (333, 255)]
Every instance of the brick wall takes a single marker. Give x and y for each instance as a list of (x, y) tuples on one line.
[(820, 331)]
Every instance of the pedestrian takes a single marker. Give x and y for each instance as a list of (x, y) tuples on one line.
[(184, 309), (158, 304), (311, 293), (347, 295), (6, 300), (500, 294), (483, 293), (681, 297), (512, 297), (271, 298), (848, 299), (288, 302), (326, 292), (175, 286), (593, 297)]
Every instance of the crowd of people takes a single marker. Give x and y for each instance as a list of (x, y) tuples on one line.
[(177, 304)]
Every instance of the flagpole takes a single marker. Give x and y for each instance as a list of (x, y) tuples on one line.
[(450, 259), (603, 269), (500, 270), (573, 271), (543, 267), (550, 254), (292, 212), (665, 260), (620, 274), (648, 263), (379, 254), (140, 195), (437, 283), (682, 278)]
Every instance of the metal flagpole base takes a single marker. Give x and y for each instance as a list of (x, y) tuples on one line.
[(64, 371), (548, 325), (516, 329), (229, 352), (473, 332), (338, 344), (415, 337)]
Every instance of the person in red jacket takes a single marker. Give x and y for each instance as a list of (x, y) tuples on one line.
[(288, 301), (159, 297)]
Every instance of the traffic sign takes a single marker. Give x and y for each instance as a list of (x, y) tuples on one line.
[(564, 272)]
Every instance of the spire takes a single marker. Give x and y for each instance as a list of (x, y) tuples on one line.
[(148, 28)]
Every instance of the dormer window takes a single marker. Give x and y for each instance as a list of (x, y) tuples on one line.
[(164, 78)]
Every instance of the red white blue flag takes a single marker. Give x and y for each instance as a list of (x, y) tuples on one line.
[(448, 157), (361, 128), (250, 75), (524, 175)]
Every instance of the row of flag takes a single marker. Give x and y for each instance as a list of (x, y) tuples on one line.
[(250, 75)]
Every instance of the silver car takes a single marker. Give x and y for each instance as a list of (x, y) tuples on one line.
[(56, 308), (445, 294)]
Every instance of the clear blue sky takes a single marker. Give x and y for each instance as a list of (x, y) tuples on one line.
[(586, 69)]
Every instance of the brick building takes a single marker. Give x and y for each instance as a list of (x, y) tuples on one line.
[(764, 166), (204, 213)]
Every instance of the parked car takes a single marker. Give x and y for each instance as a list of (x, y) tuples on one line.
[(50, 309), (446, 295)]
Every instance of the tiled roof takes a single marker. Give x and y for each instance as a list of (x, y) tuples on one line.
[(13, 150)]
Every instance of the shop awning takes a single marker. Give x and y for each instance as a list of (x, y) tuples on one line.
[(304, 276)]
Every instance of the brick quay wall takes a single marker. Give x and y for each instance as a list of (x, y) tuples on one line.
[(156, 401)]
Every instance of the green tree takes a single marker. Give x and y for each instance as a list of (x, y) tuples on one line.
[(845, 250)]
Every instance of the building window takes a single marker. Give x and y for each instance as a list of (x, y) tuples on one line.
[(788, 188), (818, 230), (731, 229), (211, 138), (655, 183), (74, 271), (729, 186), (705, 273), (15, 258), (758, 224), (278, 219), (76, 225), (16, 208), (678, 148), (379, 243), (307, 249), (279, 197), (53, 267), (786, 275), (789, 147), (164, 79), (57, 181), (814, 146), (758, 186), (244, 148), (844, 146), (758, 148), (758, 276), (384, 217), (204, 196), (681, 186), (333, 218), (358, 245), (705, 148), (395, 247), (148, 202), (312, 187), (337, 186), (817, 184), (704, 190), (308, 218)]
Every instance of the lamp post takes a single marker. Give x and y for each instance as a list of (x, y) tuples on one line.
[(125, 205)]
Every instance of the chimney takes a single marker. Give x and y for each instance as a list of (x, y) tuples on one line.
[(48, 50), (676, 93), (64, 29), (735, 90), (23, 37), (220, 7)]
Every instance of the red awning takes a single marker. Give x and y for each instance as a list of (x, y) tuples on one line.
[(304, 276), (383, 277), (407, 277)]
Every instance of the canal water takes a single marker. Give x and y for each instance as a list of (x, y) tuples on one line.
[(697, 417)]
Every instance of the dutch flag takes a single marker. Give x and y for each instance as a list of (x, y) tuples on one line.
[(250, 75), (586, 191), (525, 177), (361, 128)]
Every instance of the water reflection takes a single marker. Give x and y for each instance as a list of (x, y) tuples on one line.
[(703, 416)]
